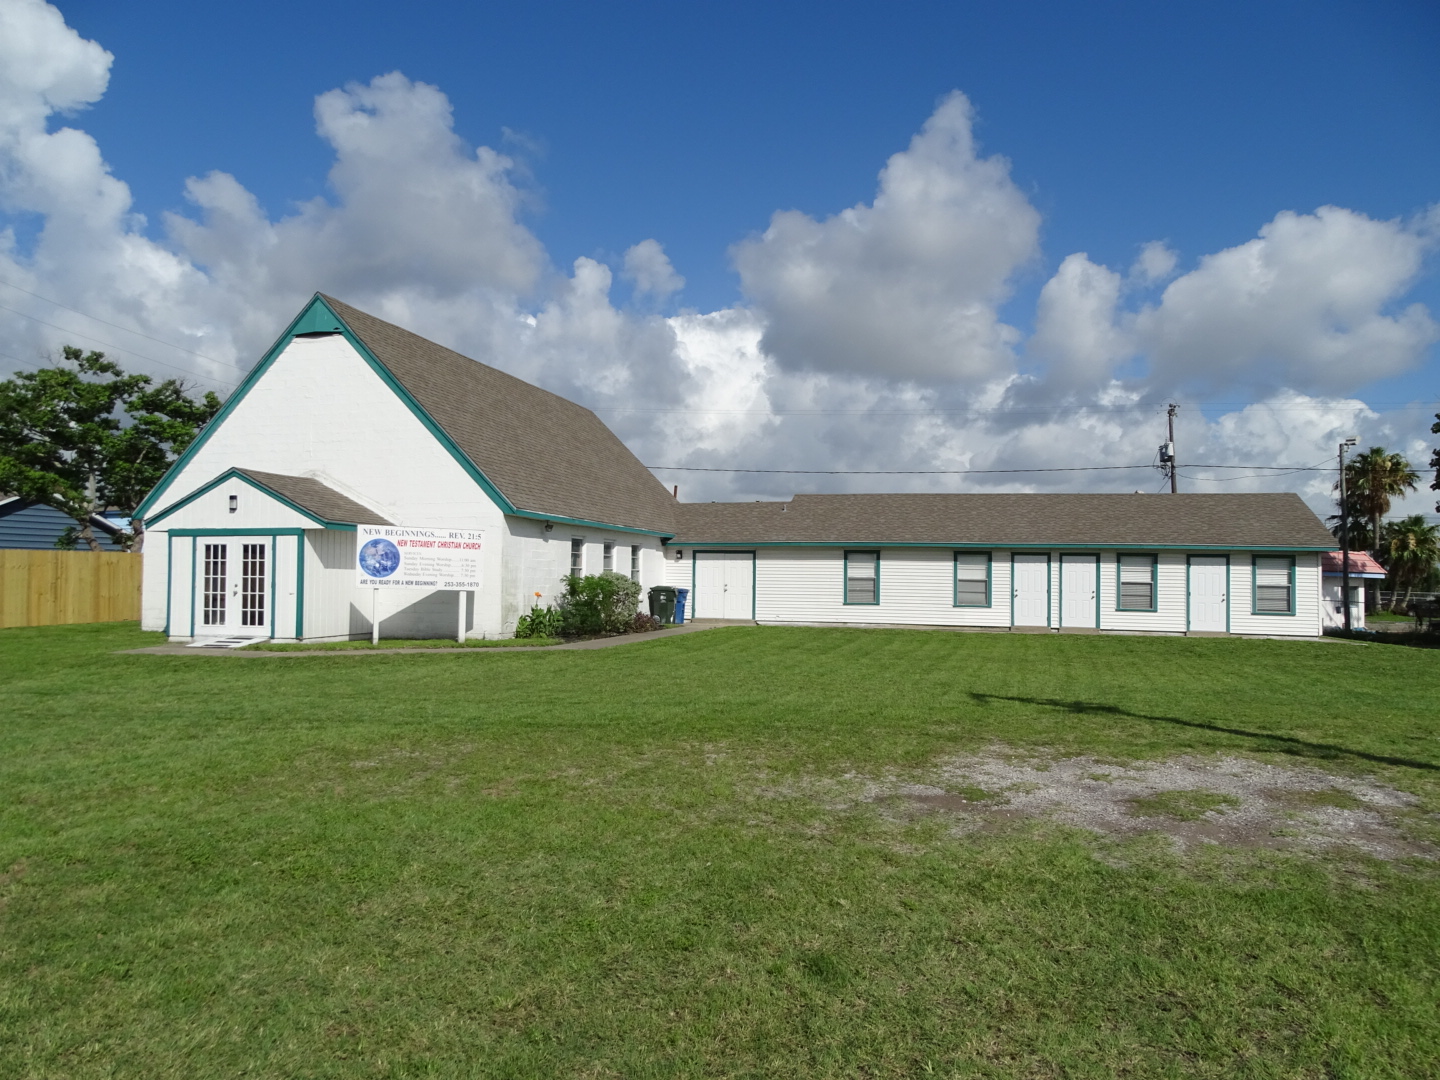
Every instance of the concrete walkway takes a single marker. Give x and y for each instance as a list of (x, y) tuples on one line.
[(596, 643)]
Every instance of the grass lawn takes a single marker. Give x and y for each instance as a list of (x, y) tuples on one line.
[(622, 863)]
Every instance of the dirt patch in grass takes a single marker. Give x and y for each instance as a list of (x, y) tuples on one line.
[(1232, 801)]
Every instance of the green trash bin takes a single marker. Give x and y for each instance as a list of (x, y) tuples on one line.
[(662, 603)]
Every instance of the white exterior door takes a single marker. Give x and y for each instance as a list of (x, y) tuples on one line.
[(724, 585), (232, 586), (1209, 593), (1032, 590), (1078, 581)]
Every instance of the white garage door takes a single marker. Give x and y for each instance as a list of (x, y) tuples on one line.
[(724, 585)]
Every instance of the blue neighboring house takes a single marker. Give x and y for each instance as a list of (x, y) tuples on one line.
[(24, 524)]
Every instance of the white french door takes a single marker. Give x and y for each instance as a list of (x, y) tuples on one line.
[(1209, 599), (1079, 576), (1031, 591), (232, 585), (724, 585)]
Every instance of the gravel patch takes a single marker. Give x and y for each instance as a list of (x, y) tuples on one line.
[(1231, 801)]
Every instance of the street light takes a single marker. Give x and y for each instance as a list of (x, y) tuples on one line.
[(1345, 537)]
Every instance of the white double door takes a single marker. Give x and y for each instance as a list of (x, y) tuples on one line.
[(232, 586), (724, 585), (1209, 593), (1079, 580)]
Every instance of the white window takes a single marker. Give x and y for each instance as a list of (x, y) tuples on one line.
[(972, 579), (862, 577), (634, 562), (1274, 586), (1137, 583), (609, 563), (577, 557)]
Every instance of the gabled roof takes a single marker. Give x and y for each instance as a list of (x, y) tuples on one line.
[(317, 499), (545, 454), (1362, 564), (1276, 521), (310, 497)]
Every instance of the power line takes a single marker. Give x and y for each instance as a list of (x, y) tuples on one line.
[(1269, 470), (117, 326), (1028, 411), (894, 472), (109, 345)]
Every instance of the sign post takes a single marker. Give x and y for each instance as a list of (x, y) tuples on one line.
[(405, 557)]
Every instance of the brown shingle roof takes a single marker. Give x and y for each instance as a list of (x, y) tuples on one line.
[(547, 455), (321, 500), (1237, 521)]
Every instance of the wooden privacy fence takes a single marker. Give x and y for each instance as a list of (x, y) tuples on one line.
[(46, 588)]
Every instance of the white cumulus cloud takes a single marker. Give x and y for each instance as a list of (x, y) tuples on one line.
[(907, 286), (648, 267)]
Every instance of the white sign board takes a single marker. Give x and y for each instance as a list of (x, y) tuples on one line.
[(402, 557)]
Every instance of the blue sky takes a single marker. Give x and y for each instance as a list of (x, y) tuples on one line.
[(692, 124)]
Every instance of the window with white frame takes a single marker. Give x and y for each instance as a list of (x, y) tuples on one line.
[(609, 563), (577, 557), (862, 577), (634, 562), (1137, 583), (972, 579), (1274, 586)]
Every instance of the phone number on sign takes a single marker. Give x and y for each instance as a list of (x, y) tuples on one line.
[(459, 584)]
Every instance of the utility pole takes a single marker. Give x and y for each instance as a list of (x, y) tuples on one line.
[(1344, 537), (1174, 465), (1167, 451)]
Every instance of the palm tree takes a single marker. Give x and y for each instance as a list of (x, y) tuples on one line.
[(1411, 549), (1372, 479)]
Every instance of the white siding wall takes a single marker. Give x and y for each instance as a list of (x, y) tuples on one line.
[(1170, 596), (1306, 620), (335, 607), (679, 573), (806, 585), (153, 573)]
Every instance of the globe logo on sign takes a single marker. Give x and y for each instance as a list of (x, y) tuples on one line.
[(379, 558)]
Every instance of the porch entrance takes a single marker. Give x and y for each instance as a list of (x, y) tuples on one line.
[(232, 587)]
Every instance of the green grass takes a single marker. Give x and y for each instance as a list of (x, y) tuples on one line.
[(605, 863), (401, 643), (1182, 805)]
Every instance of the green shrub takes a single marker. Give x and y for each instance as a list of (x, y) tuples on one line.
[(540, 623), (598, 604)]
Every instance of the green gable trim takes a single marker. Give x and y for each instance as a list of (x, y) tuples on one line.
[(237, 532), (318, 317), (236, 474), (535, 515)]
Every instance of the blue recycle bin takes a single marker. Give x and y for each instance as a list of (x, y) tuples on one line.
[(681, 595)]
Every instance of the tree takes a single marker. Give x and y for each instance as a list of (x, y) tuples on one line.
[(84, 437), (1435, 460), (1411, 549), (1372, 479)]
